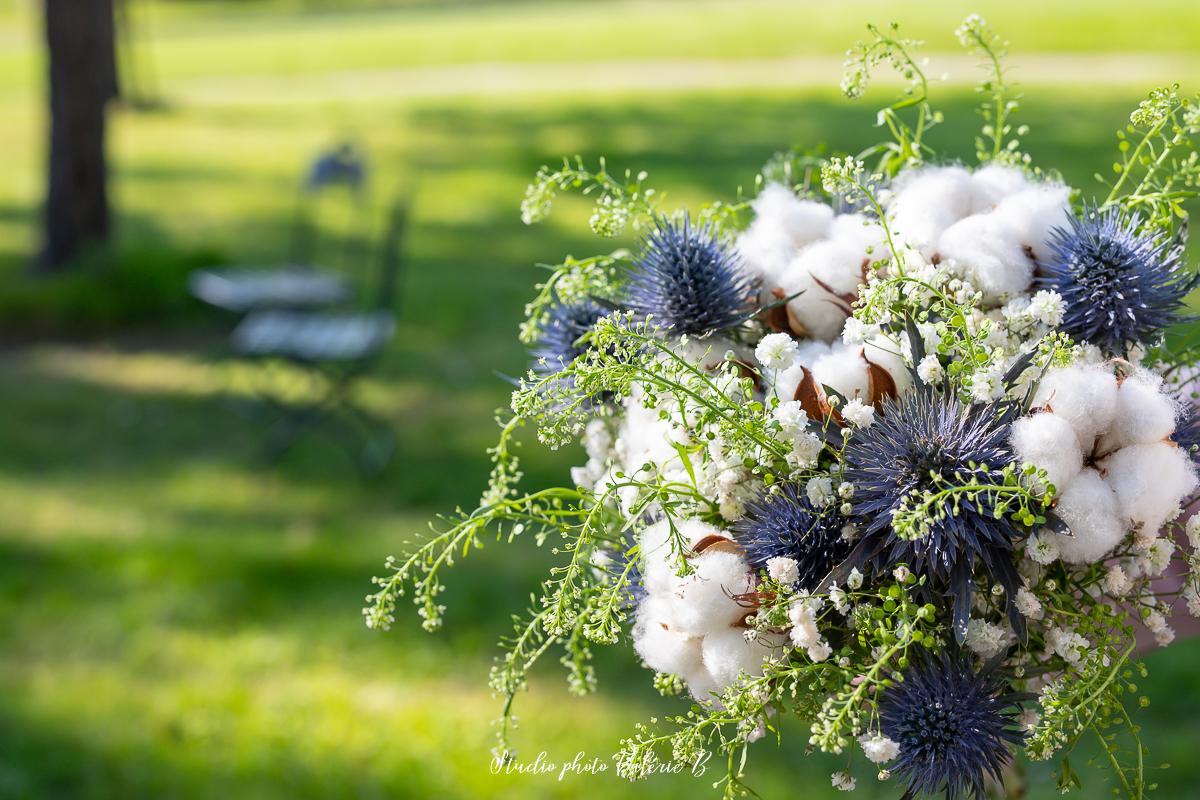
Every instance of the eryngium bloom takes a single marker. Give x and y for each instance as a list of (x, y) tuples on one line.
[(785, 523), (953, 725), (559, 341), (688, 280), (1120, 284), (1187, 429), (922, 433)]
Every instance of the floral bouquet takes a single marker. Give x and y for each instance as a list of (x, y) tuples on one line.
[(904, 452)]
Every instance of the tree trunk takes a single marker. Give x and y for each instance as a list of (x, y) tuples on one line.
[(83, 78)]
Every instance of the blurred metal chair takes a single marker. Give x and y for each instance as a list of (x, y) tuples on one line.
[(328, 352), (300, 283)]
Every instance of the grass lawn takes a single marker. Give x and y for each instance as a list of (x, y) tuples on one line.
[(177, 621)]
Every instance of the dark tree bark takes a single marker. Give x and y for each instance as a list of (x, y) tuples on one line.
[(83, 79)]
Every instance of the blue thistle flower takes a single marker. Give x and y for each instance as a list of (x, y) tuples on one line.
[(1120, 284), (922, 433), (566, 324), (688, 280), (954, 725), (1187, 429), (786, 523), (634, 590)]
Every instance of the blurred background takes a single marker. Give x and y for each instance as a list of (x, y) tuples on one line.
[(181, 566)]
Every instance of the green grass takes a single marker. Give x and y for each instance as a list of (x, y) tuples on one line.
[(177, 621)]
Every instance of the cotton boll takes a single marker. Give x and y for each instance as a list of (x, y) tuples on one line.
[(988, 252), (766, 250), (883, 352), (726, 654), (1085, 396), (662, 648), (993, 183), (660, 561), (844, 371), (928, 202), (804, 220), (838, 265), (703, 686), (1048, 441), (1089, 507), (857, 230), (1144, 414), (703, 601), (821, 313), (1150, 481), (1034, 212), (786, 381)]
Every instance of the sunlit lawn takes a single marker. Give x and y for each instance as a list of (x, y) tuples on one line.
[(178, 621)]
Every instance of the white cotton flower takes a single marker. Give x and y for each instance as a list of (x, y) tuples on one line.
[(1089, 508), (1144, 412), (926, 202), (986, 638), (783, 570), (820, 491), (1047, 307), (819, 313), (1116, 582), (858, 414), (1085, 396), (659, 645), (930, 370), (1068, 645), (659, 550), (1028, 719), (843, 782), (993, 183), (1041, 549), (1035, 212), (704, 602), (1048, 441), (776, 351), (804, 221), (844, 371), (727, 653), (893, 357), (854, 580), (878, 748), (1028, 605), (988, 251), (1150, 481)]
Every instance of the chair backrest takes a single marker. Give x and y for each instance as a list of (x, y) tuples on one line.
[(391, 257), (341, 167)]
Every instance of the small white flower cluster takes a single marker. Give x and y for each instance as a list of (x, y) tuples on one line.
[(693, 625), (1104, 443)]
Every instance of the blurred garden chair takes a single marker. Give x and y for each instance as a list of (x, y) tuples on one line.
[(300, 283), (323, 354)]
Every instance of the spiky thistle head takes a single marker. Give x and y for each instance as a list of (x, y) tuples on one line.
[(930, 442), (688, 279), (1120, 283), (954, 724), (559, 337), (786, 523), (1187, 429)]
